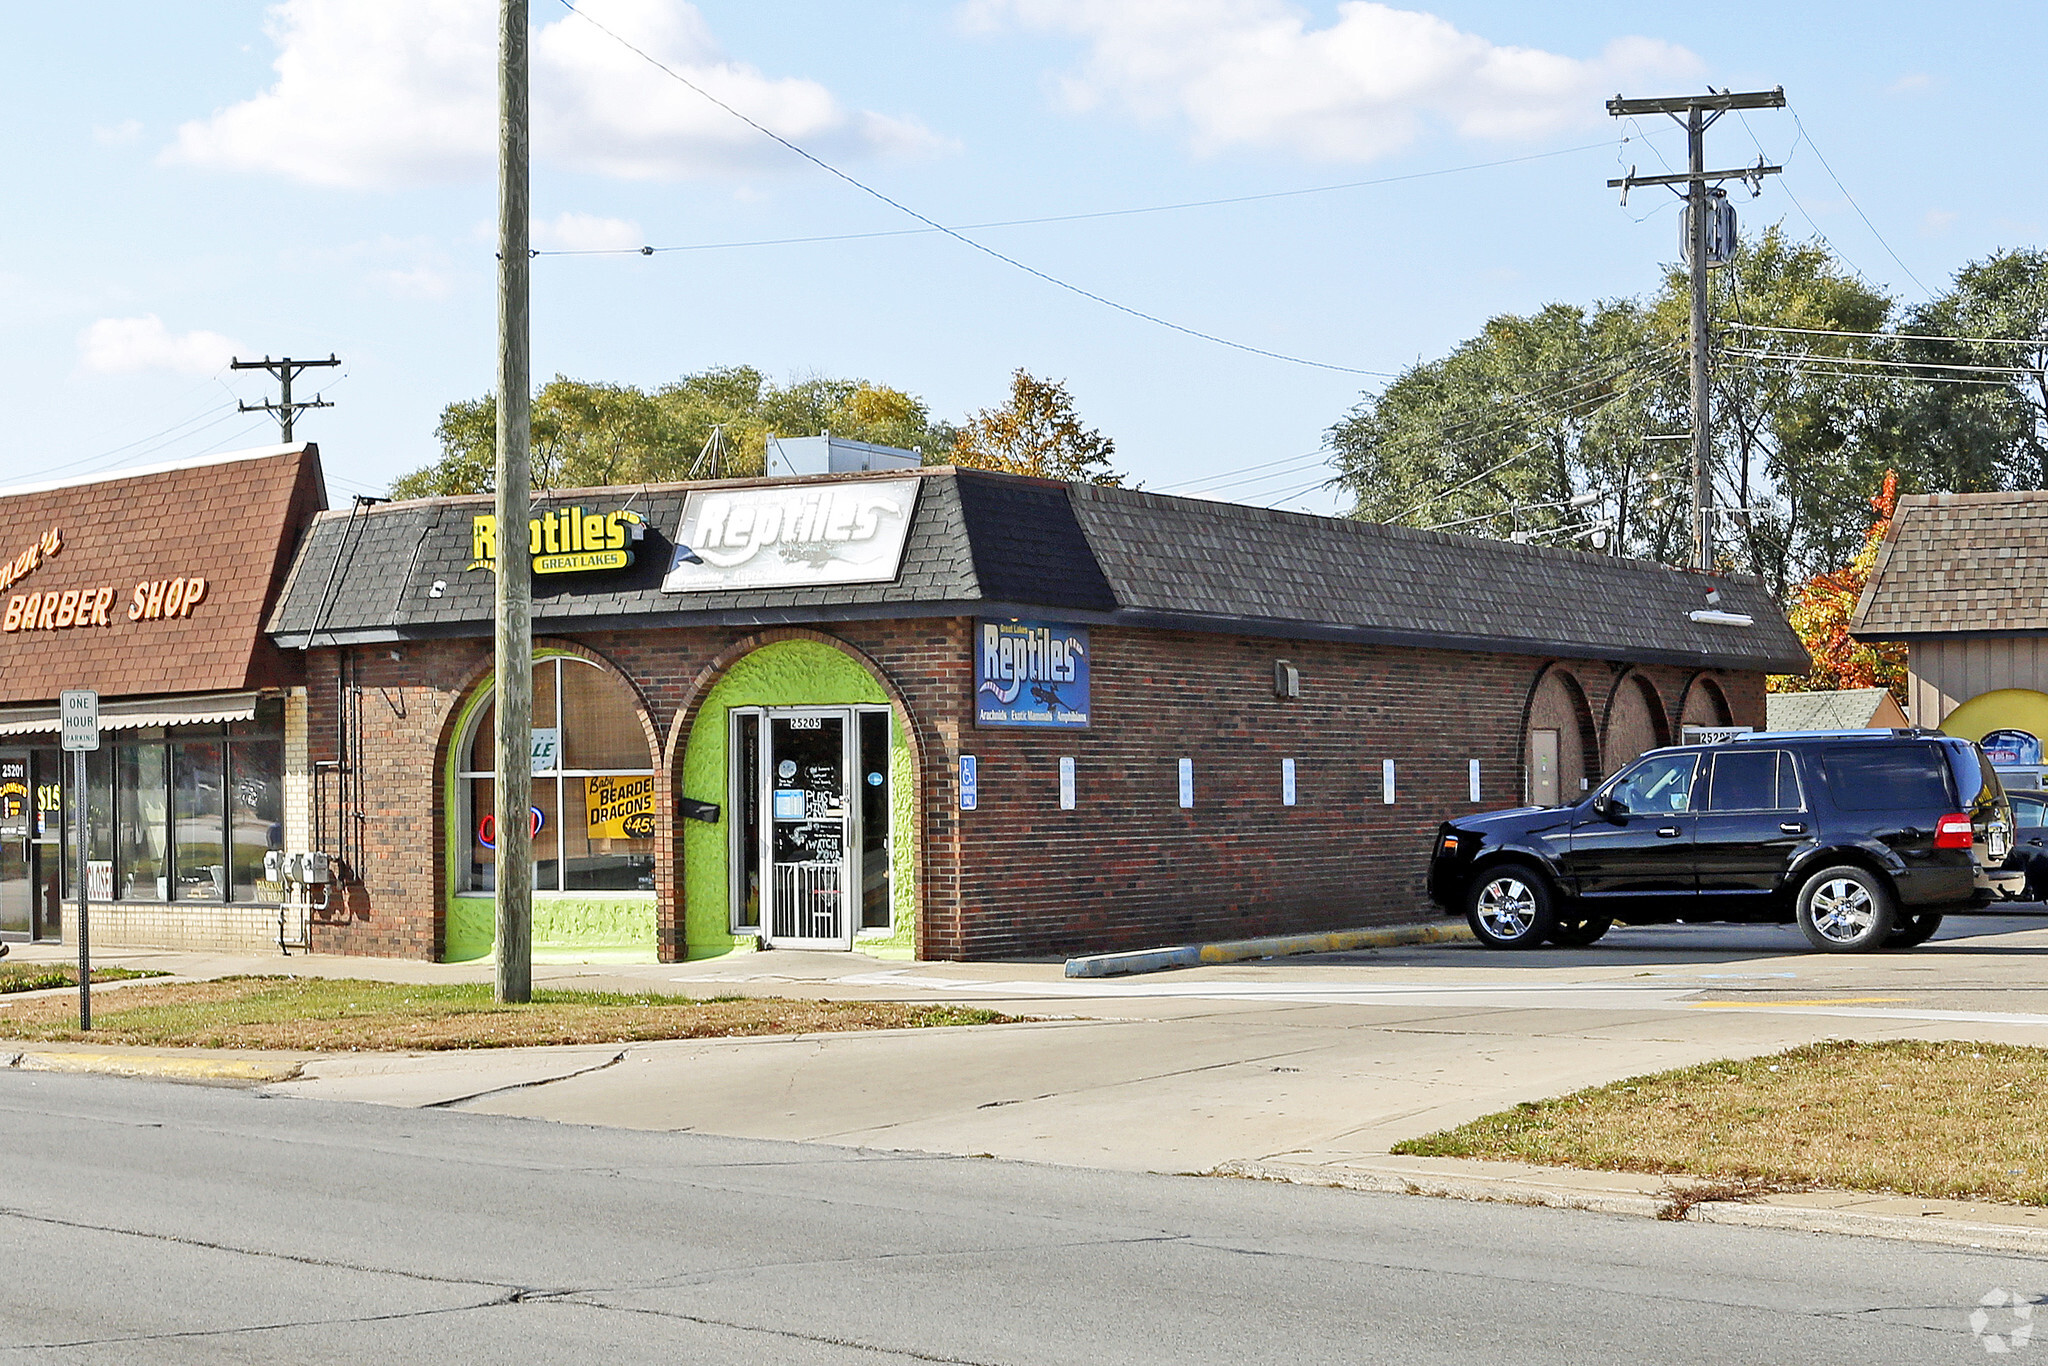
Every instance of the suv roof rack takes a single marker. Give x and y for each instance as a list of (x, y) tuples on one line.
[(1867, 733)]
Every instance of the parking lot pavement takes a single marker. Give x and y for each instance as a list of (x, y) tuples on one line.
[(1304, 1061)]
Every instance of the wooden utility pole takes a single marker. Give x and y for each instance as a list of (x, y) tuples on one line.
[(514, 654), (285, 369), (1698, 113)]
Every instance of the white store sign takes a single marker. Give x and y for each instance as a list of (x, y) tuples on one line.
[(783, 536)]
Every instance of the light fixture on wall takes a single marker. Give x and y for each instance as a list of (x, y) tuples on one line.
[(1286, 679)]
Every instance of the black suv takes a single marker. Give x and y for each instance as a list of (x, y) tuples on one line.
[(1864, 837)]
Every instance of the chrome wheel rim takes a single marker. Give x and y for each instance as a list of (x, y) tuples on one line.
[(1843, 910), (1507, 907)]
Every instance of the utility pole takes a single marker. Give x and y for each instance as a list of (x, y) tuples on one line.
[(1698, 113), (284, 368), (514, 647)]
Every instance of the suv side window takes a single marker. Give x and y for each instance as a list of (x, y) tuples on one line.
[(1753, 780), (2029, 813), (1661, 785), (1885, 777)]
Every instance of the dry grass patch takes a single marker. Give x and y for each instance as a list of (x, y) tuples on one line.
[(1934, 1120), (45, 976), (329, 1014)]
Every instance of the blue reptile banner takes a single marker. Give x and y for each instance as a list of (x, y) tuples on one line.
[(1030, 673)]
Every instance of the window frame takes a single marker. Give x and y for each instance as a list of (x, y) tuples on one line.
[(1784, 762), (466, 779)]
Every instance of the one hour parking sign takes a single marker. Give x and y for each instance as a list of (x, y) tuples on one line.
[(80, 710)]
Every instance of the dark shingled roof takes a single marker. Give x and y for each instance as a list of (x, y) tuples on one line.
[(989, 543), (1957, 562)]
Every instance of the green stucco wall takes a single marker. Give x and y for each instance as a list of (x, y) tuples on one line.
[(789, 673), (566, 925)]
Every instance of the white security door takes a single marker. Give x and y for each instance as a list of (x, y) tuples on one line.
[(811, 829)]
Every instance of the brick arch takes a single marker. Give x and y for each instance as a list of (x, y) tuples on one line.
[(482, 675), (1634, 719), (1703, 703), (1557, 696), (669, 913)]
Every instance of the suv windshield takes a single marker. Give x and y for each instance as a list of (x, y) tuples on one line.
[(1878, 777), (1660, 784)]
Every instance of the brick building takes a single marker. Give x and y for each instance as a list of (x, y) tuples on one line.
[(954, 714), (152, 587)]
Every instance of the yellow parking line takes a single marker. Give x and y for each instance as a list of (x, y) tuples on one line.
[(1832, 1001)]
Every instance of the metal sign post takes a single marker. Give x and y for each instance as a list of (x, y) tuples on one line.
[(80, 710)]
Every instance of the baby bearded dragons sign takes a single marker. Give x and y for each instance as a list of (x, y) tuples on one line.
[(783, 536)]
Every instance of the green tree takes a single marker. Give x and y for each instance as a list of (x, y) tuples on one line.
[(1995, 425), (1534, 428), (589, 435), (1574, 420), (1037, 433)]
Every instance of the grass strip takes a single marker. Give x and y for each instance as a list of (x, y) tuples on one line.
[(1908, 1117), (341, 1014), (45, 976)]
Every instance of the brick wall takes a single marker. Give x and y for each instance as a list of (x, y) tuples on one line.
[(1020, 876)]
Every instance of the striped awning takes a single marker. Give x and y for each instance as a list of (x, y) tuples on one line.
[(139, 713)]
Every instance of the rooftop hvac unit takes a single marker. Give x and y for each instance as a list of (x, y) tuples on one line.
[(789, 456)]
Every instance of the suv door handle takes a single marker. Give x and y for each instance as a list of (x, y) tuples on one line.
[(1667, 832), (1792, 827)]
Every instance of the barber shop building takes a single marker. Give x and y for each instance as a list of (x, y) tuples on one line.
[(918, 712)]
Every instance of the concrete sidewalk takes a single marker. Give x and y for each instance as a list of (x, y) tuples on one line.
[(1304, 1069)]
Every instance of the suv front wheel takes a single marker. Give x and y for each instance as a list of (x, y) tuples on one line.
[(1509, 907), (1846, 909)]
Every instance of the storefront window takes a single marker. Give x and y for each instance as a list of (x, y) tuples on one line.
[(198, 771), (184, 815), (141, 797), (255, 810), (592, 785)]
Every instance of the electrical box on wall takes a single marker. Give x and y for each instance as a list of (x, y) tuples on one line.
[(1286, 679)]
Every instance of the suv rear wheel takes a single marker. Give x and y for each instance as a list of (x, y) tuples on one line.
[(1845, 909), (1509, 907)]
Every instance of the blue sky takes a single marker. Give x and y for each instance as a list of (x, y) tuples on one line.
[(191, 180)]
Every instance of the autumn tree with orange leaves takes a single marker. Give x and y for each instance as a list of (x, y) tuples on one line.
[(1820, 614)]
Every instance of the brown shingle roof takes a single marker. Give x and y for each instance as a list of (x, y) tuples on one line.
[(233, 522), (1960, 562)]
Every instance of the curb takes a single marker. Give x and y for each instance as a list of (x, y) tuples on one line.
[(1273, 946), (244, 1070), (1961, 1233)]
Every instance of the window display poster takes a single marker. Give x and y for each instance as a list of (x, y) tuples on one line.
[(1030, 673), (619, 806), (13, 798), (2011, 747)]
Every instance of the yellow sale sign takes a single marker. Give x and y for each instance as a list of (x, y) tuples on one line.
[(619, 807)]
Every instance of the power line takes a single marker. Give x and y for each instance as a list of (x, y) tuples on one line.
[(955, 234), (1070, 217), (1887, 364), (1892, 336), (1801, 364), (1854, 205)]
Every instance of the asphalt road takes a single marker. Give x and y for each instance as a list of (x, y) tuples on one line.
[(148, 1222)]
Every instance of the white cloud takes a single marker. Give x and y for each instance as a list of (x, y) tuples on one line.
[(1935, 222), (377, 93), (115, 346), (116, 134), (1912, 83), (588, 232), (1254, 73)]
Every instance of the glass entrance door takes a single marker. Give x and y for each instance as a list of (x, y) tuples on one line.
[(17, 883), (810, 828)]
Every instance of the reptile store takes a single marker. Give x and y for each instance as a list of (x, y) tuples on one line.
[(939, 713), (152, 588)]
